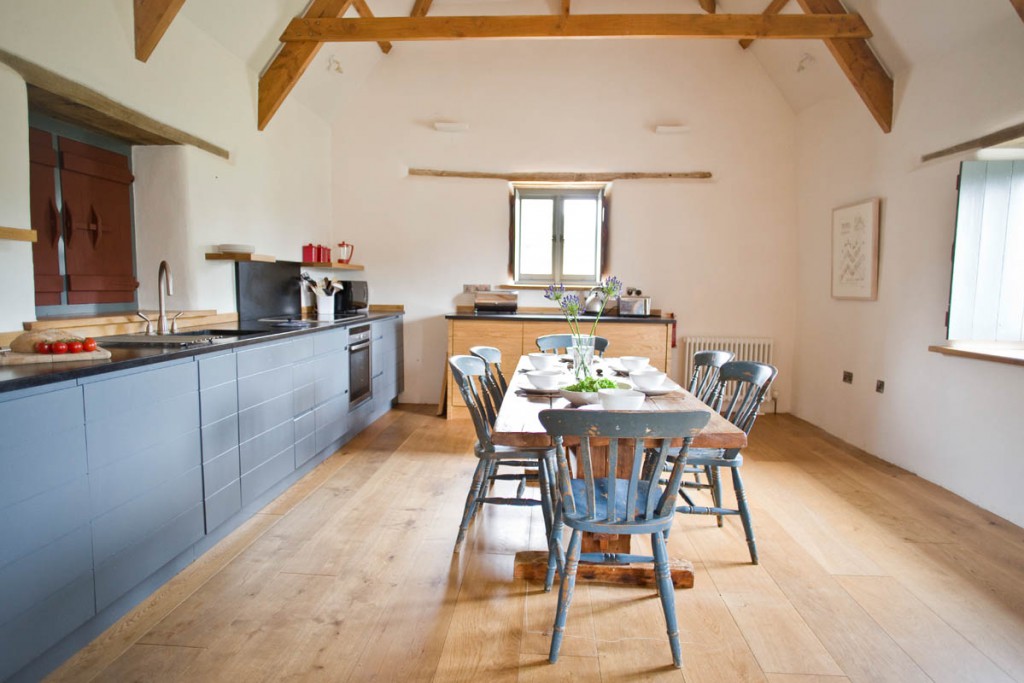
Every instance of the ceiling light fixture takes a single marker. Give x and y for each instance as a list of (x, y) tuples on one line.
[(451, 126)]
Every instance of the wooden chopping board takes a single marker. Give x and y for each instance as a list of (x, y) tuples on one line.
[(14, 358)]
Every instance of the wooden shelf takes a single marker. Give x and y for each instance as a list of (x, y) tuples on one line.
[(18, 234), (262, 258), (328, 264)]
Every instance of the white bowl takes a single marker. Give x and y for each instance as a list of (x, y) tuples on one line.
[(621, 399), (648, 379), (544, 361), (545, 379), (634, 363), (582, 398)]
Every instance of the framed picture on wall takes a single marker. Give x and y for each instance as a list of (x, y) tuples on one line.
[(855, 250)]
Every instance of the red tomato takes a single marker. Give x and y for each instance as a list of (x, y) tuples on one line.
[(60, 347), (89, 344), (43, 347), (75, 347)]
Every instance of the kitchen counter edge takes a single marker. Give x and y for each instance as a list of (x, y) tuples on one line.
[(540, 317), (17, 377)]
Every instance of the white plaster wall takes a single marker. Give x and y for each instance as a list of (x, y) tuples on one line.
[(274, 192), (720, 254), (18, 301), (953, 421)]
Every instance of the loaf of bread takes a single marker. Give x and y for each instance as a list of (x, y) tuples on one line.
[(26, 343)]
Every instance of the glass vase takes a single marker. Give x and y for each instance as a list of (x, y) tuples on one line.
[(582, 355)]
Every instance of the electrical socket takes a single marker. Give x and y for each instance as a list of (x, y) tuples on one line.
[(847, 377), (469, 289), (880, 386)]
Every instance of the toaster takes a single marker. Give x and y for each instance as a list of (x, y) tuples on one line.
[(634, 305)]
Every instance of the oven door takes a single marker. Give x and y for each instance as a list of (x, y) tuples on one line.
[(359, 370)]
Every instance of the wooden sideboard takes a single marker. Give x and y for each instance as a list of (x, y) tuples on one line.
[(516, 336)]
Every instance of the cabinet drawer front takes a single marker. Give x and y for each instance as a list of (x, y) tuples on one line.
[(134, 431), (33, 523), (303, 399), (220, 472), (127, 393), (303, 373), (305, 425), (260, 418), (223, 504), (331, 422), (328, 342), (218, 402), (331, 376), (305, 449), (263, 357), (215, 370), (220, 437), (262, 448), (255, 389), (30, 579), (266, 475), (637, 339), (506, 336)]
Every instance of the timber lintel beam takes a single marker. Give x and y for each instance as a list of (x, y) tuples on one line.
[(364, 11), (774, 7), (152, 19), (567, 7), (735, 26), (1019, 6), (708, 6), (420, 8), (290, 63), (861, 66)]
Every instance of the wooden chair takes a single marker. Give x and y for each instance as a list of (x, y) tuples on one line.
[(494, 382), (706, 367), (703, 383), (746, 384), (561, 343), (537, 463), (609, 505)]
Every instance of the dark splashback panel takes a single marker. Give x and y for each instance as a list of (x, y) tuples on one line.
[(264, 290)]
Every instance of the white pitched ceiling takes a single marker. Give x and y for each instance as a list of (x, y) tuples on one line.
[(905, 32)]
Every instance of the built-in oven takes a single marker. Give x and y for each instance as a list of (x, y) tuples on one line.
[(359, 370)]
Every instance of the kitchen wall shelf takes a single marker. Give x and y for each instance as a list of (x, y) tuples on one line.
[(18, 234), (218, 256), (328, 264)]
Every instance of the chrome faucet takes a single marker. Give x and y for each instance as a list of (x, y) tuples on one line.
[(164, 287)]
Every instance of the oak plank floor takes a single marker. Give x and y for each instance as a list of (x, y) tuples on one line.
[(868, 573)]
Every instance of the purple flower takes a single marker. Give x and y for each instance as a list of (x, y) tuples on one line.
[(554, 292), (612, 286), (570, 305)]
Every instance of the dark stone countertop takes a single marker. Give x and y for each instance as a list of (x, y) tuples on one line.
[(540, 317), (14, 377)]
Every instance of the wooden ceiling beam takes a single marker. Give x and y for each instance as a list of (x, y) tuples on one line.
[(859, 63), (774, 7), (567, 7), (152, 19), (708, 6), (364, 11), (1019, 6), (291, 61), (735, 26), (421, 7)]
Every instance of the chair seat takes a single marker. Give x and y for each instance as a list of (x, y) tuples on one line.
[(714, 457), (582, 519)]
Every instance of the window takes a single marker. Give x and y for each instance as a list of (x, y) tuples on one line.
[(986, 300), (560, 234)]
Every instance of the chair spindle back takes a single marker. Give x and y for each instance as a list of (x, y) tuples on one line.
[(464, 370), (561, 343), (706, 367), (746, 383)]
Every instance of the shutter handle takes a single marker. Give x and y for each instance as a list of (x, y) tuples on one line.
[(68, 228), (54, 223)]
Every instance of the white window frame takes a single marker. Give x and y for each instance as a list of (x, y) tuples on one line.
[(559, 194)]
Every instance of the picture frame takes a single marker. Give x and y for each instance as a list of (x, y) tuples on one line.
[(855, 229)]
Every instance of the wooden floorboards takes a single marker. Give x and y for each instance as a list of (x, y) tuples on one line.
[(867, 573)]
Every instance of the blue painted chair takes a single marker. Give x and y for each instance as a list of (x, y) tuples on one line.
[(742, 387), (561, 343), (703, 383), (609, 505), (495, 385), (536, 464)]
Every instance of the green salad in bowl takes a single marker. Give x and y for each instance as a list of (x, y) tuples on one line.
[(591, 385)]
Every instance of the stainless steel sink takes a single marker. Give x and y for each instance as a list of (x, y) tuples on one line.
[(157, 340), (220, 333)]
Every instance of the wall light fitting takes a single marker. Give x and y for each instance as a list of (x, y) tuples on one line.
[(671, 129), (451, 126)]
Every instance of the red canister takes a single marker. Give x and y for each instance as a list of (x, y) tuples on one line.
[(325, 255), (309, 252)]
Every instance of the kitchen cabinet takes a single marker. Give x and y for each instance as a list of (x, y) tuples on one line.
[(112, 481), (515, 336), (46, 568), (145, 473)]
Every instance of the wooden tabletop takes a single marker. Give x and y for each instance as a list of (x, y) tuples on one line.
[(518, 423)]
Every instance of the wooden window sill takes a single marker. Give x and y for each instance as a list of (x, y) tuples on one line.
[(999, 352)]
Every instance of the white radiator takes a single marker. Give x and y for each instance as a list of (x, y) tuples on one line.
[(743, 348)]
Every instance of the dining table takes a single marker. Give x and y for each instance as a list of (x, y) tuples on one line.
[(518, 425)]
